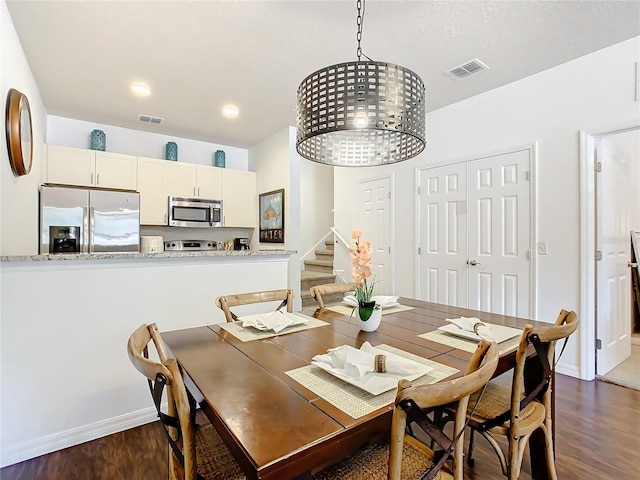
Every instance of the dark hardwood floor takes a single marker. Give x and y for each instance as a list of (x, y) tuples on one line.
[(597, 437)]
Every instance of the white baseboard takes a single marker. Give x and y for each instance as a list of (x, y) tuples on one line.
[(566, 369), (34, 448)]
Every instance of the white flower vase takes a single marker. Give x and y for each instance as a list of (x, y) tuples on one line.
[(373, 322)]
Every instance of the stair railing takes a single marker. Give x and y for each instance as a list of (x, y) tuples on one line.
[(313, 249), (339, 273), (332, 231)]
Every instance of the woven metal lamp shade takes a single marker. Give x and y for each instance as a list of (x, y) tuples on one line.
[(361, 114)]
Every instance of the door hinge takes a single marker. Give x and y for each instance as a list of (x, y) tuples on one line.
[(597, 167), (598, 256), (389, 249), (528, 175), (598, 344), (528, 254), (419, 251), (418, 190), (389, 193)]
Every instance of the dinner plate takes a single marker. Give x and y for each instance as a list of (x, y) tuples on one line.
[(500, 332), (377, 383), (294, 317)]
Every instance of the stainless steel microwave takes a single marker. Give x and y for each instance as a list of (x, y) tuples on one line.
[(195, 212)]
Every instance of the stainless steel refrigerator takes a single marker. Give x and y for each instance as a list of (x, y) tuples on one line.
[(83, 220)]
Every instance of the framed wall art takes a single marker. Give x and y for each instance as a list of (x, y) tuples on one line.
[(271, 208)]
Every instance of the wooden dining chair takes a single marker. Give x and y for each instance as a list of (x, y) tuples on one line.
[(284, 296), (515, 413), (405, 456), (196, 452), (318, 291)]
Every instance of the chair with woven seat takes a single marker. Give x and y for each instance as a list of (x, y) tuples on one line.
[(406, 457), (318, 291), (514, 413), (226, 301), (196, 452)]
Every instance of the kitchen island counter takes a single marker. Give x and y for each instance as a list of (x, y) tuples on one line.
[(60, 257)]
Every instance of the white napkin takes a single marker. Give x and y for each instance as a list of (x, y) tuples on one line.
[(473, 324), (275, 321), (383, 300), (355, 363)]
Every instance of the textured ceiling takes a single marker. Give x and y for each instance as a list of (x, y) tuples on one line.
[(199, 55)]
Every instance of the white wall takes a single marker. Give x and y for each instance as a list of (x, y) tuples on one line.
[(76, 133), (277, 165), (66, 378), (549, 108), (316, 195), (19, 195)]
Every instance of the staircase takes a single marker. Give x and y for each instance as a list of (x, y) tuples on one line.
[(318, 272)]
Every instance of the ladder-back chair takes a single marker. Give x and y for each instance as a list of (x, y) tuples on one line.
[(226, 301), (196, 451)]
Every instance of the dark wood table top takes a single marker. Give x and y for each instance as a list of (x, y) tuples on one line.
[(277, 428)]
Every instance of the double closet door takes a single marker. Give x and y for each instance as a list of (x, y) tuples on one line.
[(475, 234)]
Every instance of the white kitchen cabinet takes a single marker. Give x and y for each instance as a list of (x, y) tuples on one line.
[(209, 182), (90, 168), (239, 203), (152, 185), (181, 179), (191, 180)]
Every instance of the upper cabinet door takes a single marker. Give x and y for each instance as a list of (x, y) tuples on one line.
[(181, 179), (239, 203), (90, 168), (152, 185), (114, 170), (70, 166), (209, 181)]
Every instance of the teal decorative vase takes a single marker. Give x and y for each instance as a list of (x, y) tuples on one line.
[(98, 140), (171, 151), (219, 158)]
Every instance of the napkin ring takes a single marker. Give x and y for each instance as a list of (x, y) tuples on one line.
[(380, 363), (476, 325)]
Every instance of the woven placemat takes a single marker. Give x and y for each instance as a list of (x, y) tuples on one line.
[(249, 334), (354, 401), (346, 310), (465, 344)]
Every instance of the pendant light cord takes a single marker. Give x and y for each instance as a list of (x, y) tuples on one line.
[(360, 5)]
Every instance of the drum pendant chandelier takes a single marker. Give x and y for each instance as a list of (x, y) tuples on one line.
[(361, 113)]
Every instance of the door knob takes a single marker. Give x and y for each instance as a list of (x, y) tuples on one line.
[(473, 263), (632, 265)]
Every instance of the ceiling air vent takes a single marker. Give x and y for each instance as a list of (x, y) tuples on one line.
[(149, 119), (467, 69)]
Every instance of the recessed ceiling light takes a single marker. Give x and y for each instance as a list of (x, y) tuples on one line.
[(139, 89), (230, 111)]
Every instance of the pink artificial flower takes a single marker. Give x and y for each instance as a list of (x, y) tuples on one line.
[(355, 234)]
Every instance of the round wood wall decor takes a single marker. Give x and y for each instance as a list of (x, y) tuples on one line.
[(19, 133)]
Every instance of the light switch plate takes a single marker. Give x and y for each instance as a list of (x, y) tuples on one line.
[(542, 248)]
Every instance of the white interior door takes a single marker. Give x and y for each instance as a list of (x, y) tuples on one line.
[(613, 297), (475, 234), (375, 216), (443, 235), (499, 233)]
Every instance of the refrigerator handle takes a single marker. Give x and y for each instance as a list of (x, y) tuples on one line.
[(85, 230), (92, 211)]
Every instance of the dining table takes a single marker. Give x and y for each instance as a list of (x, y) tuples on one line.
[(282, 417)]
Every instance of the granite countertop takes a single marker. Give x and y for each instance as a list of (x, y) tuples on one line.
[(138, 256)]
